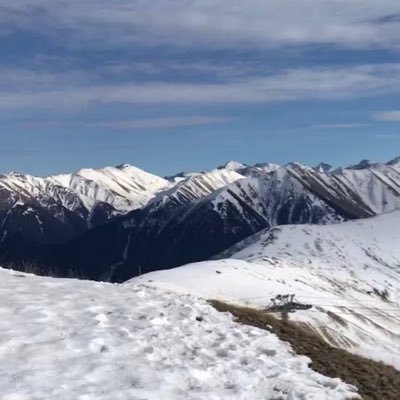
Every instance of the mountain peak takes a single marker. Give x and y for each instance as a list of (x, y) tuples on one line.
[(296, 165), (395, 161), (265, 164), (323, 167), (232, 165), (15, 173), (123, 166), (363, 164)]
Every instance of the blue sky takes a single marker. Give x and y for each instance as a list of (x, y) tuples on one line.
[(172, 85)]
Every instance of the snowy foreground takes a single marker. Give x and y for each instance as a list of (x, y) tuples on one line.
[(349, 272), (77, 340)]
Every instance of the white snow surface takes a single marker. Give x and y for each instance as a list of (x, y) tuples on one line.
[(28, 186), (124, 187), (197, 186), (344, 270), (79, 340)]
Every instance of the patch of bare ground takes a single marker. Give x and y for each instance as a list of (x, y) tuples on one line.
[(374, 380)]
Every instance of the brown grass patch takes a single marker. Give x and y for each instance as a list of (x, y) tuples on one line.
[(374, 380)]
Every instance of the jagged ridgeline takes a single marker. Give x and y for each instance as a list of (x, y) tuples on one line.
[(114, 223)]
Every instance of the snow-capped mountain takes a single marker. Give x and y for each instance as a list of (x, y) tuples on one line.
[(349, 272), (124, 187), (203, 214), (60, 207), (233, 166), (358, 191), (28, 188), (255, 170), (323, 167), (34, 210), (195, 186), (68, 339)]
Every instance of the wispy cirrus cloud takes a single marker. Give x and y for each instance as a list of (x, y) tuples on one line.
[(349, 125), (83, 81), (160, 123), (134, 124), (387, 116), (386, 136), (356, 23), (328, 83)]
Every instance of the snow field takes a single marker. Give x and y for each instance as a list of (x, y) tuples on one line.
[(77, 340)]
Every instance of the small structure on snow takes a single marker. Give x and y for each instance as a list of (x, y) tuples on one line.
[(286, 304)]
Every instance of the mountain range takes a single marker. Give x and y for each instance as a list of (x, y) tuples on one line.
[(115, 223), (57, 208)]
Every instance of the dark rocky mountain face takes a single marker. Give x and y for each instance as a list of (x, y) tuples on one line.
[(101, 213), (201, 216), (33, 212), (29, 224), (33, 222)]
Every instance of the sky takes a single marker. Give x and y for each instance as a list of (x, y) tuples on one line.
[(172, 85)]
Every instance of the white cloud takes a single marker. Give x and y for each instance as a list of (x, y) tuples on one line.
[(167, 122), (349, 125), (355, 23), (288, 85), (386, 136), (387, 116)]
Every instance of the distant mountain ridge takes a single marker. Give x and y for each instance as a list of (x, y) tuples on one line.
[(59, 207), (199, 215)]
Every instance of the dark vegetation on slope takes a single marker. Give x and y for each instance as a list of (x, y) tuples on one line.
[(374, 380)]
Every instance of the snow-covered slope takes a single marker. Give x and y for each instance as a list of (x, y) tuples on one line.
[(350, 272), (279, 199), (28, 187), (68, 339), (196, 186), (363, 190), (124, 187)]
